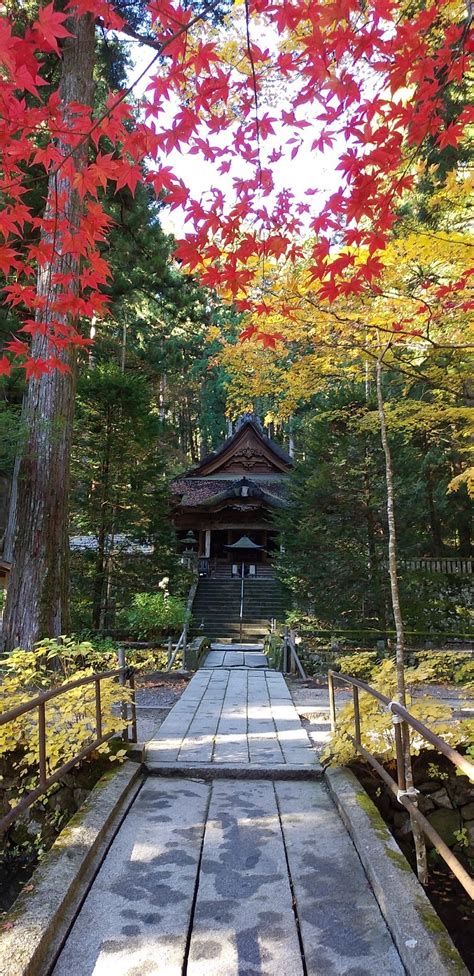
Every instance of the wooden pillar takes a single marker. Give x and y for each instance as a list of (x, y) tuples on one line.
[(207, 543)]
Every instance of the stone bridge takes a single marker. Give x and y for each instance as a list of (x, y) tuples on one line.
[(235, 858)]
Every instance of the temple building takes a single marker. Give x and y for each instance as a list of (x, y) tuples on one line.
[(224, 507)]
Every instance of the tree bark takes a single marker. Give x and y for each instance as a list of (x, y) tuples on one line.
[(392, 541), (435, 522), (377, 590), (99, 582), (463, 524), (38, 595), (420, 848)]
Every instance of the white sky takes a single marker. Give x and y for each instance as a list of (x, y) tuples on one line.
[(200, 175)]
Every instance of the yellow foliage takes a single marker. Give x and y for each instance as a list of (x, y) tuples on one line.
[(70, 718), (406, 315), (465, 478), (376, 721)]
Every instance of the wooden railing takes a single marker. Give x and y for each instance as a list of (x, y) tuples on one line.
[(291, 661), (282, 654), (402, 721), (440, 564), (39, 702), (183, 638)]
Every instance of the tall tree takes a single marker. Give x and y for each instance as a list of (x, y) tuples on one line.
[(119, 496), (38, 591)]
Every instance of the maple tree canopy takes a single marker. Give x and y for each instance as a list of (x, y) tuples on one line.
[(277, 78)]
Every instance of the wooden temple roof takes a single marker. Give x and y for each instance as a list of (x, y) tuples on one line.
[(247, 465)]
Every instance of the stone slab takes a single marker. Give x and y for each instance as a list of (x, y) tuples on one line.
[(136, 917), (209, 771), (235, 646), (244, 921), (342, 929), (421, 938), (236, 657), (40, 918), (231, 716)]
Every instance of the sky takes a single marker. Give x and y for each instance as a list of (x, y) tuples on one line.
[(200, 175)]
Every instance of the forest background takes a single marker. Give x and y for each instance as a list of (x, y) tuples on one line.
[(168, 367)]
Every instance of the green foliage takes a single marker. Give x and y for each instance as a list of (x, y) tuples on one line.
[(464, 674), (151, 398), (104, 655), (153, 615), (272, 646), (337, 511), (335, 531), (376, 721), (436, 603)]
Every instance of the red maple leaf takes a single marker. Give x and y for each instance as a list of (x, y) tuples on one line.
[(270, 339), (49, 26), (7, 258), (17, 347), (248, 333), (34, 368)]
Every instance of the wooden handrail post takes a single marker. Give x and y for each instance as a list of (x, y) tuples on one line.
[(292, 657), (332, 702), (185, 645), (123, 706), (98, 709), (42, 744), (133, 707), (418, 835), (399, 753), (355, 697)]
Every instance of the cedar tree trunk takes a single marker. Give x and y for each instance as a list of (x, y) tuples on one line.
[(37, 601)]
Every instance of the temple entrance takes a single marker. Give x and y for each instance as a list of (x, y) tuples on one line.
[(223, 539), (219, 539), (230, 495)]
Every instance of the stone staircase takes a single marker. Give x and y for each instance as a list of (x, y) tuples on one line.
[(223, 571), (216, 607)]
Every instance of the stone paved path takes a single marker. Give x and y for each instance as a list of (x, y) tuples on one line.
[(231, 876), (233, 716), (239, 657)]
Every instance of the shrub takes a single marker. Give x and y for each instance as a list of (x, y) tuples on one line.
[(376, 721), (153, 615), (464, 675), (70, 718), (444, 665), (360, 665)]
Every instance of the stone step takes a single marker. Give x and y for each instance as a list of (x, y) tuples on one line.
[(257, 614), (236, 606), (216, 608)]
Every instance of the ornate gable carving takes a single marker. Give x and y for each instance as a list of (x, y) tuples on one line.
[(249, 456), (246, 454)]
